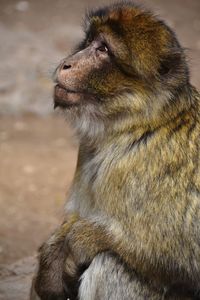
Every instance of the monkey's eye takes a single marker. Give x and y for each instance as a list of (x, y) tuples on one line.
[(103, 48)]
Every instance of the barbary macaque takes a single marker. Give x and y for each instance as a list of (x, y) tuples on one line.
[(132, 223)]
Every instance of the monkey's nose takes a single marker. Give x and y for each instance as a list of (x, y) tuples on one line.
[(65, 67), (64, 71)]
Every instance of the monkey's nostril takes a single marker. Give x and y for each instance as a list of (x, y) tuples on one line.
[(65, 67)]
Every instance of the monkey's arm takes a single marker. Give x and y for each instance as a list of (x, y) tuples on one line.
[(148, 256), (76, 243), (49, 282), (86, 239), (65, 251)]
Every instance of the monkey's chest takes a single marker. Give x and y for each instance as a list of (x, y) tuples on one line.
[(115, 184), (125, 185)]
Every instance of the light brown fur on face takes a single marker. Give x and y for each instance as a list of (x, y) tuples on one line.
[(135, 198)]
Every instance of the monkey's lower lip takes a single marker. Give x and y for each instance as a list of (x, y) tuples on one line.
[(64, 98)]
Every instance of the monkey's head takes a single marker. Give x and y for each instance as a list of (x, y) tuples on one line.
[(129, 63)]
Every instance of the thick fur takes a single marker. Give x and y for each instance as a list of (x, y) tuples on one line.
[(109, 279), (132, 226)]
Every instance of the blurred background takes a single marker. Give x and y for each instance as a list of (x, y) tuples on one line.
[(37, 149)]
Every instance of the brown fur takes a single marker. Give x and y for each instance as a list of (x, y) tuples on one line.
[(136, 190)]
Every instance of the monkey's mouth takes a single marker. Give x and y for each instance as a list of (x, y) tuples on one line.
[(64, 98)]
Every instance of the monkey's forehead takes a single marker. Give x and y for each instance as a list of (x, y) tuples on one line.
[(121, 12), (131, 23), (128, 20)]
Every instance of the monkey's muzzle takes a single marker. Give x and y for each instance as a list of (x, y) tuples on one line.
[(65, 98)]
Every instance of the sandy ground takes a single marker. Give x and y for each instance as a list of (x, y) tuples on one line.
[(37, 151), (37, 163)]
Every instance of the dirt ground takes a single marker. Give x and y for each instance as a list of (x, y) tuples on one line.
[(38, 158), (37, 150)]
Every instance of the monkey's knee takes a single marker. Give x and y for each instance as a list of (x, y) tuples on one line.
[(107, 279)]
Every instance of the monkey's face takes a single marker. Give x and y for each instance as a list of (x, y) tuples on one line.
[(126, 58), (77, 74), (93, 74)]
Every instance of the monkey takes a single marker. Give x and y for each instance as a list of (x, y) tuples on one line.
[(132, 221)]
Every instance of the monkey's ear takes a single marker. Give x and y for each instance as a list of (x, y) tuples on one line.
[(170, 64)]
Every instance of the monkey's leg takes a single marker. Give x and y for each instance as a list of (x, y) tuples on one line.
[(108, 279)]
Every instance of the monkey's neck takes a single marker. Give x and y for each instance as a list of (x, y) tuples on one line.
[(158, 111), (180, 106)]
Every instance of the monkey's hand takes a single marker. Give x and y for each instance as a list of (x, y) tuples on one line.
[(50, 281), (62, 258), (85, 240)]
